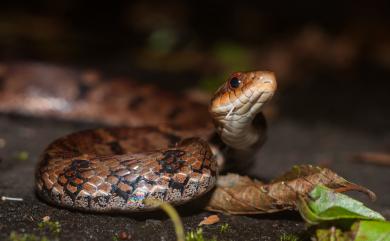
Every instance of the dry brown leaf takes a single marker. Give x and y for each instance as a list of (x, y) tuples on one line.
[(237, 194), (209, 220)]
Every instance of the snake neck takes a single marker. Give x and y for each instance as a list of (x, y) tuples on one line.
[(242, 133)]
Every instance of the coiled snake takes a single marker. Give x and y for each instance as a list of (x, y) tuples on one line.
[(118, 168)]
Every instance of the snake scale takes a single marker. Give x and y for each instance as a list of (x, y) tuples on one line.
[(167, 151)]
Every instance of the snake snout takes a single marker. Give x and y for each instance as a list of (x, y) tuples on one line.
[(266, 81)]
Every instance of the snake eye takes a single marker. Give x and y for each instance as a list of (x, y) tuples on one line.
[(234, 82)]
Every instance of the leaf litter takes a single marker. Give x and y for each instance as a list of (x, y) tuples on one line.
[(237, 194)]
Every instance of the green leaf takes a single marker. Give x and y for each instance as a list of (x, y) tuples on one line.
[(197, 236), (365, 230), (331, 234), (323, 204), (371, 230)]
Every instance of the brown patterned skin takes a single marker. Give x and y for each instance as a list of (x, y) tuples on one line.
[(45, 90), (119, 168), (164, 155)]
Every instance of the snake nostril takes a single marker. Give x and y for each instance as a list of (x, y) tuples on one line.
[(267, 81)]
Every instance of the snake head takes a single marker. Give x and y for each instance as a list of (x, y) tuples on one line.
[(243, 93), (237, 102)]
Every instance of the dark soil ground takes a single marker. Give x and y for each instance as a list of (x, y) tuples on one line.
[(325, 136)]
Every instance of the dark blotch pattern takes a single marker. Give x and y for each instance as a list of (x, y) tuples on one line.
[(171, 162), (175, 112), (136, 102), (116, 148), (83, 90)]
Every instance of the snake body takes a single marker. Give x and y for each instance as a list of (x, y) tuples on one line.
[(119, 168)]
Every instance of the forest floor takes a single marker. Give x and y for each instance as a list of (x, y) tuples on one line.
[(289, 143)]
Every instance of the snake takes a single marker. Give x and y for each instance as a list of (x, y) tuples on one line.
[(156, 145)]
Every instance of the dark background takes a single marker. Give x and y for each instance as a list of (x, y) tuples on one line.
[(338, 53), (332, 61)]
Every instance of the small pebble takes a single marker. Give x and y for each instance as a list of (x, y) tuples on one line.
[(123, 235)]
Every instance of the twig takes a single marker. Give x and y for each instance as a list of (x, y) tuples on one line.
[(379, 158), (173, 215), (17, 199)]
